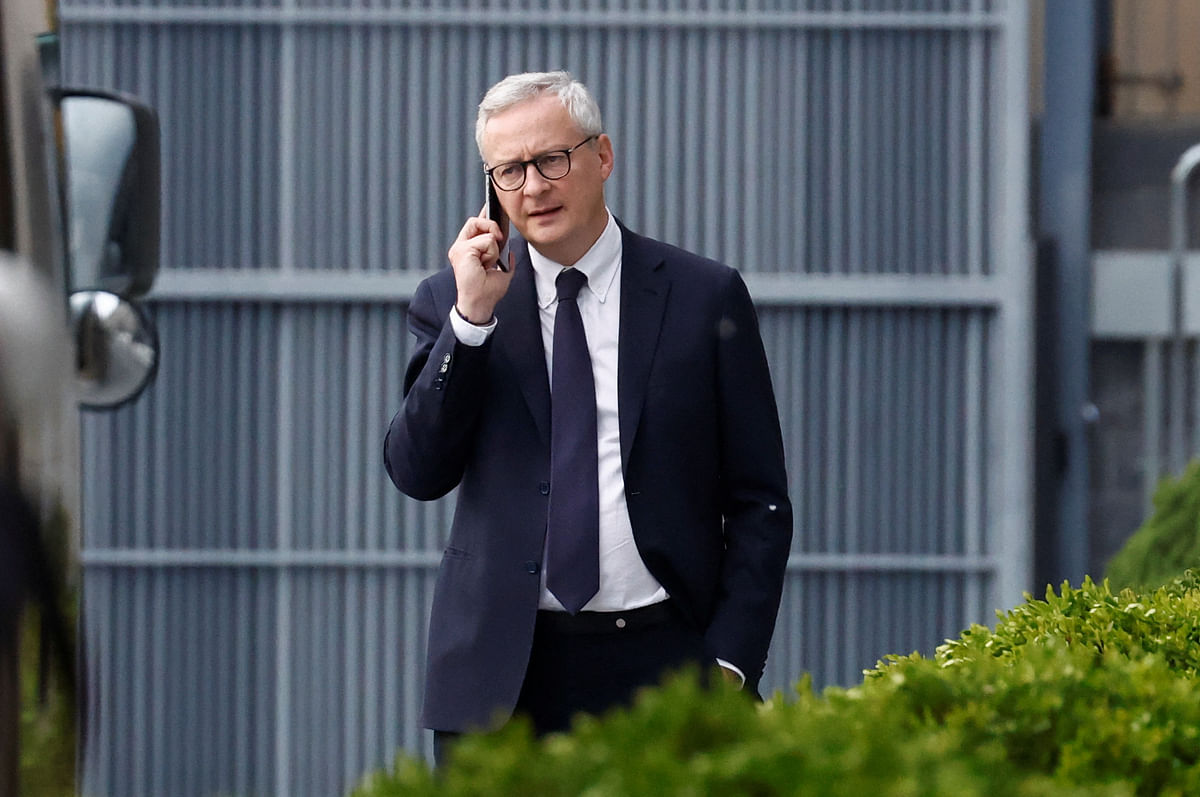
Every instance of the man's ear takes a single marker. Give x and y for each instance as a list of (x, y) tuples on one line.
[(604, 149)]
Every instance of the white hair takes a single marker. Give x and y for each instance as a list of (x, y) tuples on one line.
[(516, 89)]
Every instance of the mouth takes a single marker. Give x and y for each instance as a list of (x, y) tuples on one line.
[(544, 212)]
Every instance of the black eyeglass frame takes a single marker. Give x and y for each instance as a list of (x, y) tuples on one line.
[(534, 163)]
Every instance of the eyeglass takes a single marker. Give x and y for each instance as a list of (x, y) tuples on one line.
[(553, 165)]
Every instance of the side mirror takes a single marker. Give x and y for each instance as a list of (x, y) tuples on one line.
[(116, 349), (111, 197), (111, 179)]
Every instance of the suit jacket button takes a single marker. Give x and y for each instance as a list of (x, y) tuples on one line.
[(531, 567), (544, 488)]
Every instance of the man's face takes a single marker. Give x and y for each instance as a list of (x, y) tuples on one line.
[(561, 218)]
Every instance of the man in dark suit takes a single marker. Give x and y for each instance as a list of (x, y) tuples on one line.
[(622, 507)]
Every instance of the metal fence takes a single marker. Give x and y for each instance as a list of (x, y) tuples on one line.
[(255, 592)]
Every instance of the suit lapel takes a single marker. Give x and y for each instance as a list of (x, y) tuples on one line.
[(521, 342), (644, 291)]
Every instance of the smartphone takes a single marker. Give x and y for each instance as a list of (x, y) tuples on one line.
[(496, 213)]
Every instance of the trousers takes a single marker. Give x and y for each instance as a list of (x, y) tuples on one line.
[(595, 661)]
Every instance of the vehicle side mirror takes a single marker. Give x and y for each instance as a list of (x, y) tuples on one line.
[(116, 349), (111, 178), (111, 205)]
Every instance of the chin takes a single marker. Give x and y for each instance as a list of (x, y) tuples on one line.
[(542, 237), (545, 228)]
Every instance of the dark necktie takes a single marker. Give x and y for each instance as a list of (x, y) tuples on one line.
[(573, 525)]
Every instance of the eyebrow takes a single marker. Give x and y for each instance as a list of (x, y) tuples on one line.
[(541, 154)]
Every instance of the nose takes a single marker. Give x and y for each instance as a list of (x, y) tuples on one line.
[(534, 182)]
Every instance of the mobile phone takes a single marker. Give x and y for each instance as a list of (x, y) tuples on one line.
[(496, 213)]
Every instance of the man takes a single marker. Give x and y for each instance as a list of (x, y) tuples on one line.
[(622, 508)]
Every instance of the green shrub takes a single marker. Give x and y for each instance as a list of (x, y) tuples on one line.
[(1086, 692), (1165, 620), (1064, 711), (47, 724), (1168, 543), (682, 740), (1087, 686)]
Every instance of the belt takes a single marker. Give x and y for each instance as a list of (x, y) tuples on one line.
[(606, 622)]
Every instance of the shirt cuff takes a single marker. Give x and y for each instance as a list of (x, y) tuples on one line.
[(470, 334), (733, 669)]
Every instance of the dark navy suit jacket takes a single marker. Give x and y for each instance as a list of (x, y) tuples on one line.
[(701, 451)]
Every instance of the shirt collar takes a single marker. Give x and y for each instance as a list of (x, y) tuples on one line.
[(599, 263)]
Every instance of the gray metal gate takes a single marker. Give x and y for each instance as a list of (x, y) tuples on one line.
[(255, 591)]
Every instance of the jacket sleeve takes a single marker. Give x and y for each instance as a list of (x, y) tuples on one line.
[(429, 439), (755, 506)]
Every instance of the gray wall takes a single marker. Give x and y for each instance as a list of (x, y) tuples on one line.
[(255, 591)]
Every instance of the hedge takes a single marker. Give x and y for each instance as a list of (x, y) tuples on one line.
[(1168, 542), (1085, 692)]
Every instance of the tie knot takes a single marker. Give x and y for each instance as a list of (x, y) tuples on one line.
[(568, 282)]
